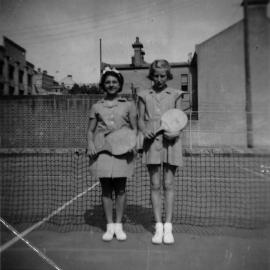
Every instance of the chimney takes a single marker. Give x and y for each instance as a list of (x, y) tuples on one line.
[(138, 58), (257, 7)]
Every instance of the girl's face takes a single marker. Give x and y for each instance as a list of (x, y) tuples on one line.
[(111, 85), (160, 78)]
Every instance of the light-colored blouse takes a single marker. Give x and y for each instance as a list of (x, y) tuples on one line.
[(159, 150), (111, 115)]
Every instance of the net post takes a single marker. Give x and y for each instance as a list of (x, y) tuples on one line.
[(190, 135)]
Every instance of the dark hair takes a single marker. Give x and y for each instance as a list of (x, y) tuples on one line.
[(160, 63), (113, 73)]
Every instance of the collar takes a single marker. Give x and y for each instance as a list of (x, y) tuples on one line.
[(166, 90), (113, 103)]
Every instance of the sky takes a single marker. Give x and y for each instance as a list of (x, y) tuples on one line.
[(63, 36)]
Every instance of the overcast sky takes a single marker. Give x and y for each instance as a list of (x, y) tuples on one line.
[(62, 36)]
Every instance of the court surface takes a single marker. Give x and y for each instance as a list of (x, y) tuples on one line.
[(196, 248), (213, 190)]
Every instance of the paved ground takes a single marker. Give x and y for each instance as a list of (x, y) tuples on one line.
[(192, 251)]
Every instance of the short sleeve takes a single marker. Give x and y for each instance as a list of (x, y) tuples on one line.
[(93, 112), (178, 94)]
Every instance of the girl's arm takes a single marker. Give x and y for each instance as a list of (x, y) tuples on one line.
[(91, 149), (141, 124), (133, 116)]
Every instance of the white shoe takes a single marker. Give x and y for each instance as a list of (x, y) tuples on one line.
[(168, 236), (119, 233), (108, 235), (157, 238)]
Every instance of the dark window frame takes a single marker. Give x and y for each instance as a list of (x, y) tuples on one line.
[(21, 73), (184, 82), (11, 72)]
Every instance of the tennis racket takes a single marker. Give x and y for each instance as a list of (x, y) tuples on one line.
[(172, 121), (118, 142)]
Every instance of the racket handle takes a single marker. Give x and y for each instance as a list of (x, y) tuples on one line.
[(160, 129)]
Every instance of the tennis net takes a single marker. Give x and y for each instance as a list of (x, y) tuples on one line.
[(216, 187)]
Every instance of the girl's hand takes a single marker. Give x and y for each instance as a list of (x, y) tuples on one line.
[(149, 133), (133, 151), (91, 149)]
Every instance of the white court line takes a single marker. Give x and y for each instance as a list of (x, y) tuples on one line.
[(222, 178), (42, 255), (15, 239), (251, 171)]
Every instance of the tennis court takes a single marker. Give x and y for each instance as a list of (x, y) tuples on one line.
[(215, 187), (221, 217), (51, 212), (195, 249)]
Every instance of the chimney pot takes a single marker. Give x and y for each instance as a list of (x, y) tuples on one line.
[(256, 2)]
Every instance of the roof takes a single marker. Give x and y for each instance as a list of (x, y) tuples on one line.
[(144, 66), (13, 44), (256, 2), (218, 34), (250, 2), (30, 64)]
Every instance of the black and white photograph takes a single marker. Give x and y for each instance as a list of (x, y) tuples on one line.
[(135, 134)]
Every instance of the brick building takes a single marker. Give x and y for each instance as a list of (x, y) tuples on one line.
[(135, 74), (19, 77), (16, 74), (218, 68), (42, 80)]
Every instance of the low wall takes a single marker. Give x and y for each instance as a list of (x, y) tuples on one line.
[(45, 121), (48, 121), (61, 121)]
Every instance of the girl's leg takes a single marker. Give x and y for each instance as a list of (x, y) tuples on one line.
[(107, 188), (120, 197), (169, 173), (120, 194), (154, 172)]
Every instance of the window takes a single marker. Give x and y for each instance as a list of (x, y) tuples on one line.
[(20, 76), (11, 90), (1, 68), (29, 80), (10, 72), (1, 89), (184, 82)]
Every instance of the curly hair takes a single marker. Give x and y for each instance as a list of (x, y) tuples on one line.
[(111, 72)]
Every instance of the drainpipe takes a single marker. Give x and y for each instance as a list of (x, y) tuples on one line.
[(248, 108)]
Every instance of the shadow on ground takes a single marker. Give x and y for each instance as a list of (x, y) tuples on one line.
[(136, 218)]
